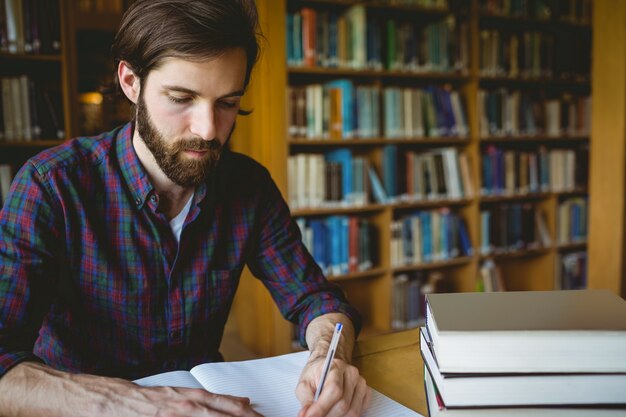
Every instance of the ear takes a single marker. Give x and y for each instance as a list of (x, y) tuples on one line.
[(128, 81)]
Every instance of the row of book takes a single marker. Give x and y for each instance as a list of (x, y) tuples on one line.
[(340, 244), (571, 226), (514, 113), (334, 179), (341, 110), (512, 227), (6, 177), (440, 173), (30, 27), (510, 172), (360, 40), (408, 295), (525, 353), (428, 236), (526, 55), (573, 11), (29, 110)]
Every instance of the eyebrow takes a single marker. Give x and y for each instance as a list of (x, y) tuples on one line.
[(180, 89)]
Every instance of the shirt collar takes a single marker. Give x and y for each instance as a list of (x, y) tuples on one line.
[(133, 172)]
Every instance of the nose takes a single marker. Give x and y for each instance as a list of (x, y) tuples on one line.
[(203, 122)]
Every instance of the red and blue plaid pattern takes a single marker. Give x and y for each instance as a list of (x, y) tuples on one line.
[(93, 280)]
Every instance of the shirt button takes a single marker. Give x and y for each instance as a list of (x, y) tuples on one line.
[(138, 201), (175, 334), (153, 198)]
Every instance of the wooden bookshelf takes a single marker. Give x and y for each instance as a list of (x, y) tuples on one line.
[(264, 136), (46, 75), (607, 187)]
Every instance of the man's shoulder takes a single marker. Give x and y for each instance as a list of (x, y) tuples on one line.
[(79, 152)]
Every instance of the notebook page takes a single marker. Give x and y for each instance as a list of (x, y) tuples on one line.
[(271, 382), (170, 379)]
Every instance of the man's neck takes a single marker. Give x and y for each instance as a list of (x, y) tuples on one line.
[(172, 197)]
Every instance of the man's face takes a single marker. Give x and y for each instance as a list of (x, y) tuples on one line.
[(186, 112)]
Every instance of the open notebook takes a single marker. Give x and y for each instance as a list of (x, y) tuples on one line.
[(270, 383)]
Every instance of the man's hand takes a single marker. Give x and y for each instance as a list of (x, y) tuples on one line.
[(345, 393), (37, 390)]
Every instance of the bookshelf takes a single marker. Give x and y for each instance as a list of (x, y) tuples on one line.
[(34, 75), (545, 77), (44, 46)]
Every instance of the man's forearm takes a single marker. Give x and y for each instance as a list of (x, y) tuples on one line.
[(320, 331), (32, 389)]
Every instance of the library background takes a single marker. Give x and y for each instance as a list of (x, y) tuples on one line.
[(422, 145)]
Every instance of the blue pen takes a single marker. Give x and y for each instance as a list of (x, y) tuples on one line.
[(329, 359)]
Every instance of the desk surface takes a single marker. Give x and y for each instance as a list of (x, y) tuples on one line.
[(392, 364)]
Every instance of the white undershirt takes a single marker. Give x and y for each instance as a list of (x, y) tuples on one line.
[(177, 222)]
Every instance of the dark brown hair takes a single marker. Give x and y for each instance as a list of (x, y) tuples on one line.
[(152, 30)]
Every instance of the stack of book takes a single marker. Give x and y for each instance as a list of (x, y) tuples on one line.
[(543, 353)]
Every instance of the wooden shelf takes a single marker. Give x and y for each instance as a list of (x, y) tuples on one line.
[(572, 246), (538, 138), (515, 197), (379, 74), (426, 141), (449, 263), (370, 273), (541, 82), (522, 253), (327, 211), (419, 204), (581, 192)]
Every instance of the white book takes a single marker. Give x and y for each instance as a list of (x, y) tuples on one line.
[(25, 102), (437, 408), (292, 182), (528, 331), (480, 390), (270, 384), (7, 109), (6, 177), (459, 115)]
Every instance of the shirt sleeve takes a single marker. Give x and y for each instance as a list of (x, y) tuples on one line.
[(27, 235), (288, 270)]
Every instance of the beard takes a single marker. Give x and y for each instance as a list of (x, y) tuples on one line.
[(169, 155)]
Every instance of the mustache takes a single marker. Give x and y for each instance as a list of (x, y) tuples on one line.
[(197, 145)]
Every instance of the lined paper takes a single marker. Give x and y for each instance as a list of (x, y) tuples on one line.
[(270, 383)]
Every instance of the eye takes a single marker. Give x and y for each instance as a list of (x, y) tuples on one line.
[(228, 104), (179, 100)]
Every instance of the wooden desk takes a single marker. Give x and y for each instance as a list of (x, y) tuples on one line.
[(392, 364)]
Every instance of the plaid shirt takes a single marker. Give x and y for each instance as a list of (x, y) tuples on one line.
[(93, 280)]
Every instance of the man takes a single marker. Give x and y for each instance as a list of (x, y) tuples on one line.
[(120, 254)]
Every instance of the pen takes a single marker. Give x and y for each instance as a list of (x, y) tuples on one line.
[(329, 359)]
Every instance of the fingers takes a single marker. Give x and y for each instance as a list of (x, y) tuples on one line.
[(230, 405), (198, 402), (345, 394)]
